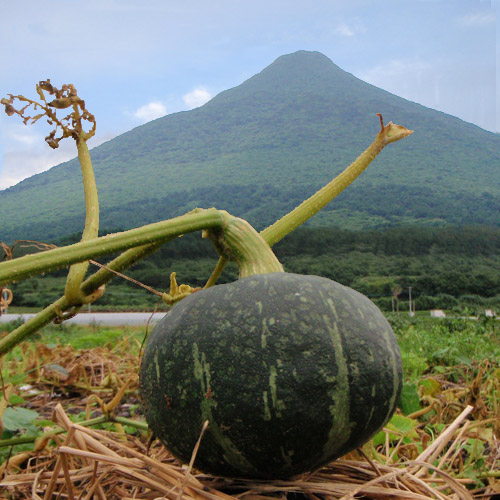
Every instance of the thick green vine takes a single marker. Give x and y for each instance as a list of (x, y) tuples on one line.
[(388, 134), (288, 223), (233, 238)]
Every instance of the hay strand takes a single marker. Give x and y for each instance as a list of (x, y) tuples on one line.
[(76, 461), (93, 463)]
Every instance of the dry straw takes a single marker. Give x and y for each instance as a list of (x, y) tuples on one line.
[(72, 461), (96, 464)]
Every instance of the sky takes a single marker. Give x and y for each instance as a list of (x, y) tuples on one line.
[(133, 61)]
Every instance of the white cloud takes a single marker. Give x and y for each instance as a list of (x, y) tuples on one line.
[(27, 154), (440, 84), (151, 111), (197, 97), (478, 19), (27, 138), (344, 30), (18, 164), (403, 77), (354, 27), (396, 67)]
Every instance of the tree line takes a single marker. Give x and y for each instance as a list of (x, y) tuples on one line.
[(446, 267)]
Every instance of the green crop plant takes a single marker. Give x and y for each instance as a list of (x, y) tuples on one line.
[(234, 238)]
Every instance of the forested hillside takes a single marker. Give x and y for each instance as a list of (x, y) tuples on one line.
[(260, 148)]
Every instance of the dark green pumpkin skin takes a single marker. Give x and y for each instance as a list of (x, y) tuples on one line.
[(291, 371)]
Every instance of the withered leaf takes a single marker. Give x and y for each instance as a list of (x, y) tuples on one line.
[(36, 118), (9, 109), (62, 103), (46, 85), (51, 140)]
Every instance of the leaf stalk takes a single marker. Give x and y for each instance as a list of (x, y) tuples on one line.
[(311, 206), (77, 271)]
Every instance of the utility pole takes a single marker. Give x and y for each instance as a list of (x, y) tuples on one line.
[(411, 309)]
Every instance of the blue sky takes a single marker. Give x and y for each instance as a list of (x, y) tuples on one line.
[(136, 60)]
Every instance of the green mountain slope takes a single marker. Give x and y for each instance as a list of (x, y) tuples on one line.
[(260, 148)]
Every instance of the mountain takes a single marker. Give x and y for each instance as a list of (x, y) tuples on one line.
[(259, 149)]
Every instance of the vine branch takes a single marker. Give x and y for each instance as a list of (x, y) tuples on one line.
[(233, 238)]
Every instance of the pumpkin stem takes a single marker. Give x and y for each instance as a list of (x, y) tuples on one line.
[(288, 223), (240, 242)]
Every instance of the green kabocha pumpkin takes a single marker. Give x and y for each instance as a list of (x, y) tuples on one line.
[(291, 372)]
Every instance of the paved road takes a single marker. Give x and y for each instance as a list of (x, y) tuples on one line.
[(109, 319)]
